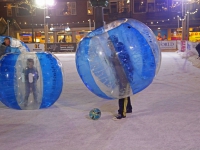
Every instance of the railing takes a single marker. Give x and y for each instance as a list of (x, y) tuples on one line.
[(36, 47), (115, 16), (61, 47), (167, 45), (160, 15), (187, 46), (52, 47)]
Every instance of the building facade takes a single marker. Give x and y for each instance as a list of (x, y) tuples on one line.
[(69, 20)]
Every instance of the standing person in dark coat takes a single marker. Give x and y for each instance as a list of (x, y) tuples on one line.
[(198, 50)]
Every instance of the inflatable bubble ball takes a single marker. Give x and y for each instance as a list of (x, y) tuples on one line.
[(30, 80), (119, 59), (16, 46), (95, 114)]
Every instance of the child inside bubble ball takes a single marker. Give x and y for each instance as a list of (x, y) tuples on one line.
[(5, 47), (30, 77)]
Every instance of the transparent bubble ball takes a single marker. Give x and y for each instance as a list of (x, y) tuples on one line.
[(32, 80), (16, 46), (119, 59)]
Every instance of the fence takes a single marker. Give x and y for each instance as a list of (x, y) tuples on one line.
[(167, 45), (36, 47), (181, 46), (61, 47), (52, 47), (187, 46)]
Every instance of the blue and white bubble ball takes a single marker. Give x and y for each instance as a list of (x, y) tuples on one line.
[(119, 59), (16, 46), (30, 80)]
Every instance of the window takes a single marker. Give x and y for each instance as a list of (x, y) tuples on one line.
[(161, 5), (66, 8), (51, 12), (150, 7), (9, 10), (124, 6), (89, 8), (113, 7), (139, 6)]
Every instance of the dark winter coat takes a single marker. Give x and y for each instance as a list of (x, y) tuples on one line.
[(198, 47)]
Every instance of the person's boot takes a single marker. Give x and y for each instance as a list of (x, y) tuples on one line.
[(119, 116), (129, 111)]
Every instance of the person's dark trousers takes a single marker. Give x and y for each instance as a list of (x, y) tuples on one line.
[(124, 106), (28, 91), (129, 106), (198, 50)]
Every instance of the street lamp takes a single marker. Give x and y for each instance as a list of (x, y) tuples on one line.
[(185, 21), (89, 24), (45, 4)]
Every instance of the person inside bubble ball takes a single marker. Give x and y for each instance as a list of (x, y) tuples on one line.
[(124, 87), (30, 77), (5, 47)]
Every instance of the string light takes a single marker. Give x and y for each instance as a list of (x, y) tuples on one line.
[(194, 12), (179, 3), (61, 24), (191, 13), (161, 21)]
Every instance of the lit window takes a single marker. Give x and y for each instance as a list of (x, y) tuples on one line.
[(67, 8), (89, 8)]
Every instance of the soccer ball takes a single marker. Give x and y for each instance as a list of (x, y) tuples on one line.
[(95, 114)]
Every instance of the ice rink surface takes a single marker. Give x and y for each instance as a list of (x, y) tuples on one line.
[(166, 115)]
